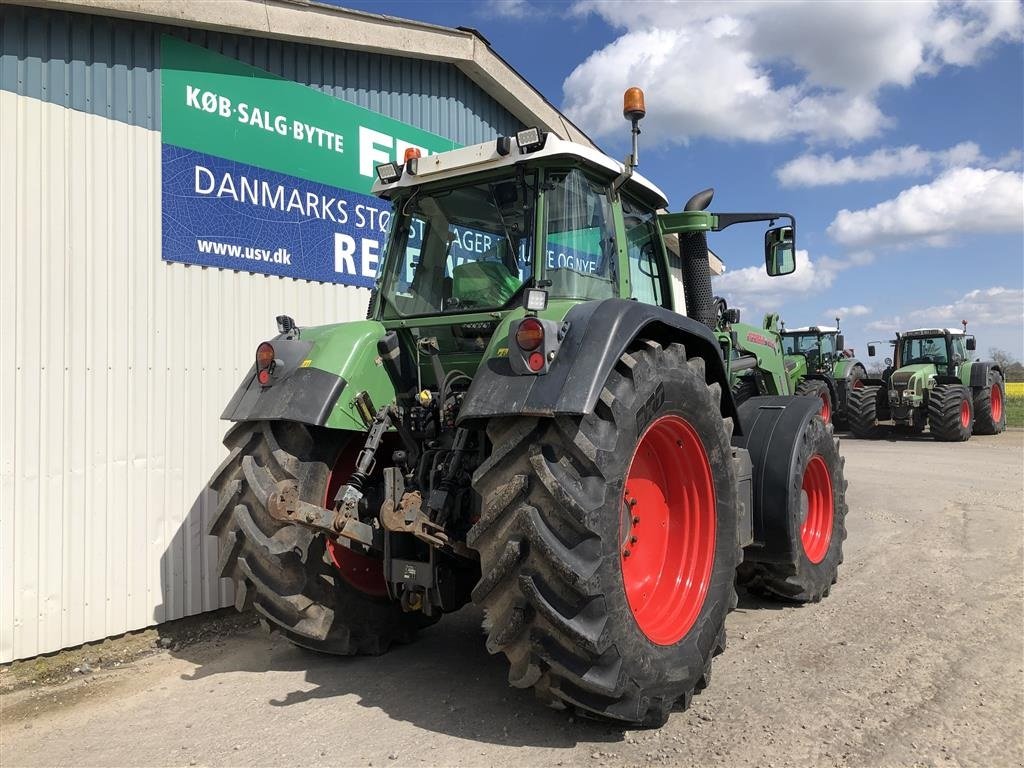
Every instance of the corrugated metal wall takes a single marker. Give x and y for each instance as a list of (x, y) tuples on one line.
[(117, 364)]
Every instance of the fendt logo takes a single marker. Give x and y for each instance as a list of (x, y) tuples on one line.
[(757, 338)]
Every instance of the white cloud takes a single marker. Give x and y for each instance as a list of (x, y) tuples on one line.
[(988, 306), (713, 69), (959, 200), (812, 170), (752, 288), (509, 9), (856, 310), (995, 315)]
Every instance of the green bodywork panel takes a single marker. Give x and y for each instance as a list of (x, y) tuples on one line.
[(349, 350), (842, 368), (765, 343), (964, 374)]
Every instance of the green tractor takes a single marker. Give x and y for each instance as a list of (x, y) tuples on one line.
[(817, 359), (756, 363), (932, 382), (535, 417), (764, 363)]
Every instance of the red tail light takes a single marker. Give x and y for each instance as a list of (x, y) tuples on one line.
[(264, 355), (535, 361), (529, 336)]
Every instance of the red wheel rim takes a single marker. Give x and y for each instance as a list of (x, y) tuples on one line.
[(361, 571), (668, 531), (997, 403), (965, 413), (826, 407), (816, 531)]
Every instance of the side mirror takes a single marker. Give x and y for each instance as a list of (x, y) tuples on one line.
[(871, 350), (972, 344), (840, 343), (779, 251)]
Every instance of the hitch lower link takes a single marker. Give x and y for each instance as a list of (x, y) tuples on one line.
[(405, 516)]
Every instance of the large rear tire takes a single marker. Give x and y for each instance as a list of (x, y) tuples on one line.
[(806, 567), (608, 542), (990, 406), (841, 417), (950, 413), (862, 412), (284, 571)]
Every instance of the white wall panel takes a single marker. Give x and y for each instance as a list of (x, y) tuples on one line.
[(116, 366)]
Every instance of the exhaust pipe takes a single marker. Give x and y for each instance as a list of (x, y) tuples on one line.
[(693, 248)]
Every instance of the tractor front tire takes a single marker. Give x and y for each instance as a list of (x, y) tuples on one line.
[(814, 521), (990, 406), (608, 542), (283, 571), (862, 412), (950, 413), (819, 389)]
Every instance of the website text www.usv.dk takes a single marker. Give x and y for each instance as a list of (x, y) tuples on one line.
[(233, 250)]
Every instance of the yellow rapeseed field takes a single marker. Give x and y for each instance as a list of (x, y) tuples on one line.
[(1015, 389)]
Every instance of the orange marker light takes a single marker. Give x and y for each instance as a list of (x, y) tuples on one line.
[(530, 335), (633, 104), (411, 153)]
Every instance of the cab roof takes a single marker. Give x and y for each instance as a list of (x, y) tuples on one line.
[(811, 329), (485, 157), (933, 332)]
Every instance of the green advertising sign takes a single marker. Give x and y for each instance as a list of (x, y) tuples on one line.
[(267, 175), (223, 107)]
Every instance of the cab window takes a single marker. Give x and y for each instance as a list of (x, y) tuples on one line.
[(579, 253), (646, 273)]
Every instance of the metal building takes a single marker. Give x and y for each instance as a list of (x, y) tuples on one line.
[(119, 352)]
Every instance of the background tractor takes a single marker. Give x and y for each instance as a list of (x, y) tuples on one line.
[(932, 382), (534, 417), (756, 363), (817, 359)]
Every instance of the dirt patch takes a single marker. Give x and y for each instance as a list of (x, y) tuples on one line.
[(114, 652)]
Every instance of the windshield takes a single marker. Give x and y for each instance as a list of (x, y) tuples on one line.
[(467, 249), (926, 349), (807, 344), (580, 247), (800, 345)]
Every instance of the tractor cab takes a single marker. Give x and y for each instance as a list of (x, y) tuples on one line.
[(821, 346), (472, 228), (922, 358)]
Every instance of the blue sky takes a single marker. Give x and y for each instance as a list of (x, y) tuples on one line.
[(893, 131)]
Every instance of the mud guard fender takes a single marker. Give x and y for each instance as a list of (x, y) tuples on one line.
[(599, 332), (772, 427)]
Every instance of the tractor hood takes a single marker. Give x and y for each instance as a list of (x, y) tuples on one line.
[(316, 377), (914, 377)]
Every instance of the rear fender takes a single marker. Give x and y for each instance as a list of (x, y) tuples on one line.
[(317, 377), (599, 332), (975, 374), (771, 428)]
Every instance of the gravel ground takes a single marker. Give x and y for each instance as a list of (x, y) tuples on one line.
[(917, 658)]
